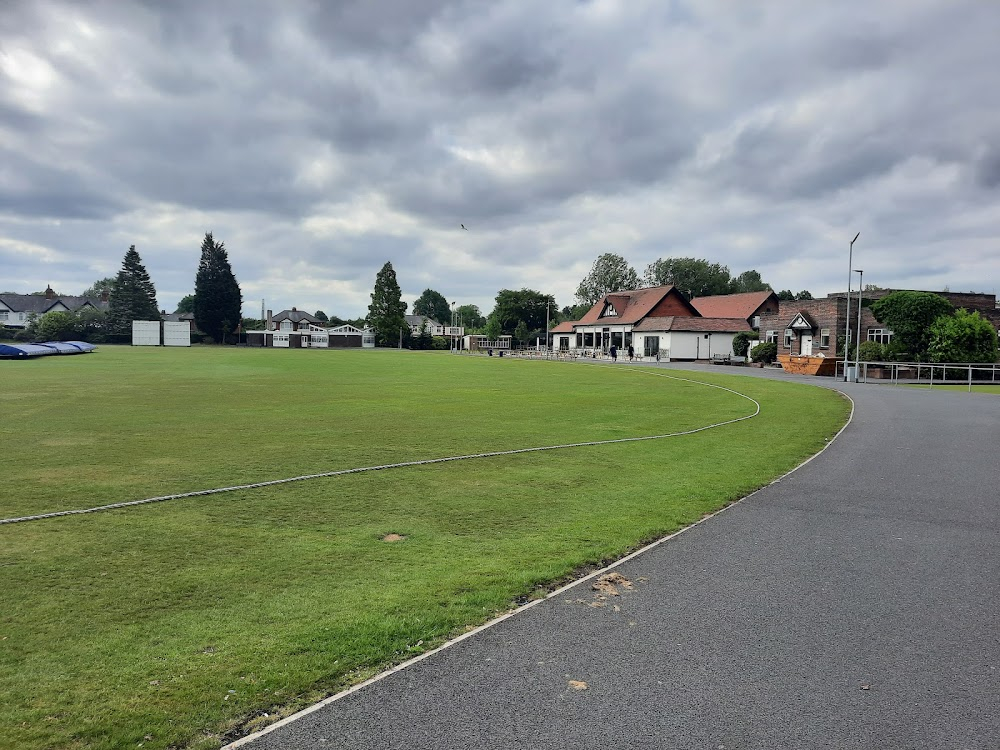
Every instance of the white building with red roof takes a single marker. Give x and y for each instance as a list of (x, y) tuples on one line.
[(658, 322)]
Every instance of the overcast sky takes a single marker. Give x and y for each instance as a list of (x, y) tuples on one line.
[(321, 139)]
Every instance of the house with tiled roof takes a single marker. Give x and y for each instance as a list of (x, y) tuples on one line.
[(657, 322), (749, 305), (17, 310), (292, 320)]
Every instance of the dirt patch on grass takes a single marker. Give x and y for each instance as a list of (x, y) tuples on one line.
[(393, 537)]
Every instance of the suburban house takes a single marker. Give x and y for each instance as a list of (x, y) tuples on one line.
[(812, 327), (416, 322), (178, 317), (749, 305), (17, 310), (658, 322), (291, 320)]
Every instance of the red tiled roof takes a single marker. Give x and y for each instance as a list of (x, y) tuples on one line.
[(700, 325), (731, 305), (632, 306), (565, 327)]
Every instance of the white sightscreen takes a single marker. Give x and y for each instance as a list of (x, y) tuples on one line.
[(145, 333), (176, 333)]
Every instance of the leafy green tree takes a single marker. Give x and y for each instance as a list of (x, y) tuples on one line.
[(909, 315), (493, 330), (218, 302), (387, 310), (610, 273), (741, 344), (748, 281), (573, 312), (134, 295), (423, 339), (805, 294), (962, 337), (521, 332), (100, 286), (786, 295), (766, 352), (434, 306), (320, 315), (694, 277), (470, 316), (525, 305), (56, 326), (186, 305)]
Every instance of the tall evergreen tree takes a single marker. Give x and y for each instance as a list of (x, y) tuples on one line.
[(218, 301), (387, 310), (133, 296)]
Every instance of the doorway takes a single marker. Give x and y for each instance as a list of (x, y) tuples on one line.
[(806, 344)]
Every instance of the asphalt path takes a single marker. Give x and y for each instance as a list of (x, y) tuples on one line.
[(853, 604)]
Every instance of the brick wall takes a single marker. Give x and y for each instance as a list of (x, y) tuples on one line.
[(829, 313)]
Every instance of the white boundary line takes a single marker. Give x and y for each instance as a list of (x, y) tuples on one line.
[(425, 462), (458, 639)]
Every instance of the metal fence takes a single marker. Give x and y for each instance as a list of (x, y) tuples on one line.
[(920, 373)]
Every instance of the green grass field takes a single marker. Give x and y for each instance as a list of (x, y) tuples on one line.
[(976, 387), (182, 623)]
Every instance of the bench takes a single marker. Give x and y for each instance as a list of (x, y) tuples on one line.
[(720, 359)]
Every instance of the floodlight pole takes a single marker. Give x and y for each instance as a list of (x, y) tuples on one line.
[(547, 305), (847, 332), (857, 352)]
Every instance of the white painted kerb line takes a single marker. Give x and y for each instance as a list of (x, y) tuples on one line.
[(403, 464)]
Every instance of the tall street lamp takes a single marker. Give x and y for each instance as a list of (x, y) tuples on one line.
[(857, 352), (847, 331)]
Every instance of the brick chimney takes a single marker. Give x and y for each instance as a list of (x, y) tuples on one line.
[(49, 292), (105, 295)]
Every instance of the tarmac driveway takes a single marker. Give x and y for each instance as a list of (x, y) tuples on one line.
[(851, 605)]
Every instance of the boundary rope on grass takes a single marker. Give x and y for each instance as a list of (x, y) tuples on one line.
[(404, 464)]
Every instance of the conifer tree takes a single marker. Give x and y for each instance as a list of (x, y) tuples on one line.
[(218, 301), (387, 310), (133, 296)]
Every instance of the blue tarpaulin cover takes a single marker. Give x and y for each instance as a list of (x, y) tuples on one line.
[(23, 351)]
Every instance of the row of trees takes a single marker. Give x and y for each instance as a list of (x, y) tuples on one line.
[(694, 277), (927, 327), (216, 302)]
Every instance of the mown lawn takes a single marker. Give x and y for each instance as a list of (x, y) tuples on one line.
[(976, 387), (176, 623)]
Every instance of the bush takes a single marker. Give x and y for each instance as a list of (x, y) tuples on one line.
[(741, 344), (871, 351), (766, 353)]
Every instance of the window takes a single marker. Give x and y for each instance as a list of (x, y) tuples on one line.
[(286, 325), (824, 338), (788, 338), (771, 337), (880, 335), (651, 346), (4, 314)]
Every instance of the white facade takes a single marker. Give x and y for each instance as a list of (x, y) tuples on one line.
[(176, 333), (145, 333)]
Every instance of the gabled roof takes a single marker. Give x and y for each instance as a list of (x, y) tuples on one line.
[(802, 321), (36, 303), (631, 306), (296, 316), (564, 327), (733, 305), (699, 325), (417, 320)]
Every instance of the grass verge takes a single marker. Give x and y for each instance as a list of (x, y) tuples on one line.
[(172, 624)]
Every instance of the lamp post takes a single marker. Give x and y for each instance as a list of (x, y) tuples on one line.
[(453, 328), (857, 352), (847, 332)]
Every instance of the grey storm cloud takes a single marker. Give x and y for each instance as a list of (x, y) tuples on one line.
[(320, 139)]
